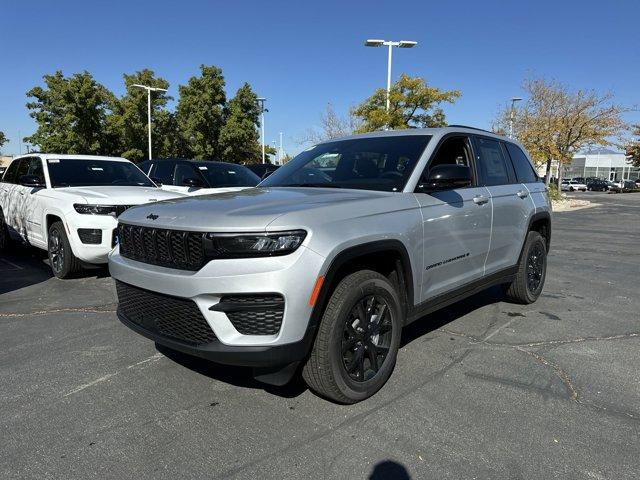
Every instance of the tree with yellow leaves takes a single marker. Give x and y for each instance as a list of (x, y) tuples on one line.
[(555, 122)]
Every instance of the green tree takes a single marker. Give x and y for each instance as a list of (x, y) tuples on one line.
[(129, 122), (71, 114), (412, 103), (3, 139), (200, 114), (555, 122), (633, 148), (239, 139)]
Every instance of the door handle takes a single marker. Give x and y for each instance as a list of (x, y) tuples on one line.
[(21, 194), (522, 194), (480, 200)]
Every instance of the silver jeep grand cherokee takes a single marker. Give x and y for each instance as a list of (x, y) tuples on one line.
[(323, 263)]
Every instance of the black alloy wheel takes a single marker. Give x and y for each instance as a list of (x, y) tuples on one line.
[(366, 338), (535, 267)]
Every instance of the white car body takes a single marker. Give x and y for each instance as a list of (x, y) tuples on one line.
[(28, 211), (572, 185)]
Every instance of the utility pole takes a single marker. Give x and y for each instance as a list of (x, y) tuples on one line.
[(149, 90), (390, 44), (261, 101), (512, 114)]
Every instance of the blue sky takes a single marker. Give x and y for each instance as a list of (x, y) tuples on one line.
[(302, 55)]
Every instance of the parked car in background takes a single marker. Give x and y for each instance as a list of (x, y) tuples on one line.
[(199, 177), (68, 205), (322, 271), (598, 185), (580, 180), (263, 170), (572, 186), (621, 186)]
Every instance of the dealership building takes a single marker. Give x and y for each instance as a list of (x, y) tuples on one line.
[(601, 163)]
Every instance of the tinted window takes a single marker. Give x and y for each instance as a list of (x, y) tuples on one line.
[(493, 167), (372, 163), (145, 167), (23, 168), (452, 151), (34, 167), (184, 171), (524, 169), (221, 175), (11, 175), (69, 172), (163, 171)]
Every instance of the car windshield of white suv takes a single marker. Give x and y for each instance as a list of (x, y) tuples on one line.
[(70, 172), (373, 163)]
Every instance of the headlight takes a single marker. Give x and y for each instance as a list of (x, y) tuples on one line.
[(95, 209), (255, 244)]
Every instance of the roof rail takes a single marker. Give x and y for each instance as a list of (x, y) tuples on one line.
[(472, 128)]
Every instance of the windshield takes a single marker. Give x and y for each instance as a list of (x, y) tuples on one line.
[(71, 172), (373, 163), (220, 175)]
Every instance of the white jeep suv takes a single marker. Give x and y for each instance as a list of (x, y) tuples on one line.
[(68, 204)]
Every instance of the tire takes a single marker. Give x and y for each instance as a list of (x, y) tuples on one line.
[(571, 189), (64, 264), (532, 265), (5, 239), (343, 342)]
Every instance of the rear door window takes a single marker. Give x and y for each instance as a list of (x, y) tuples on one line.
[(524, 169), (11, 175), (492, 162)]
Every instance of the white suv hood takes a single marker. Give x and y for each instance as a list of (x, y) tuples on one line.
[(114, 195)]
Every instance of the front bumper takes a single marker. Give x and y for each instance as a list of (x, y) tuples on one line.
[(292, 276), (91, 253)]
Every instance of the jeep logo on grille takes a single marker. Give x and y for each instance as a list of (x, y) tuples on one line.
[(152, 216)]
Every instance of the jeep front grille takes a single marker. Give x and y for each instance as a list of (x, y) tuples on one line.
[(174, 317), (167, 248)]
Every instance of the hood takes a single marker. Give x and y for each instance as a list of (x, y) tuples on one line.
[(245, 210), (114, 195)]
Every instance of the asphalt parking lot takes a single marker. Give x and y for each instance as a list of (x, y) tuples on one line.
[(483, 389)]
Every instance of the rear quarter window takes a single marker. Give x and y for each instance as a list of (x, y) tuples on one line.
[(524, 169)]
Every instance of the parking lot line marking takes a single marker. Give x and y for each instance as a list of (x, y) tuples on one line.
[(12, 264), (153, 358), (500, 328), (90, 384)]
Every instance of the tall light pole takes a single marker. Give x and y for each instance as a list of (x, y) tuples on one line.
[(149, 90), (390, 44), (261, 101), (512, 114)]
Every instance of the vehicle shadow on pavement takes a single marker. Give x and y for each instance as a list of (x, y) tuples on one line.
[(440, 318), (23, 266), (243, 376), (233, 375)]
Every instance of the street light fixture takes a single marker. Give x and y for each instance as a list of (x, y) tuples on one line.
[(149, 90), (512, 114), (373, 42), (261, 101)]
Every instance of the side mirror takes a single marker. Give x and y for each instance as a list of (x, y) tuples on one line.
[(193, 182), (156, 180), (446, 177), (31, 181)]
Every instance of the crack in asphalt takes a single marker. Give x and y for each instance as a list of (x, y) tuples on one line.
[(349, 421), (562, 374)]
